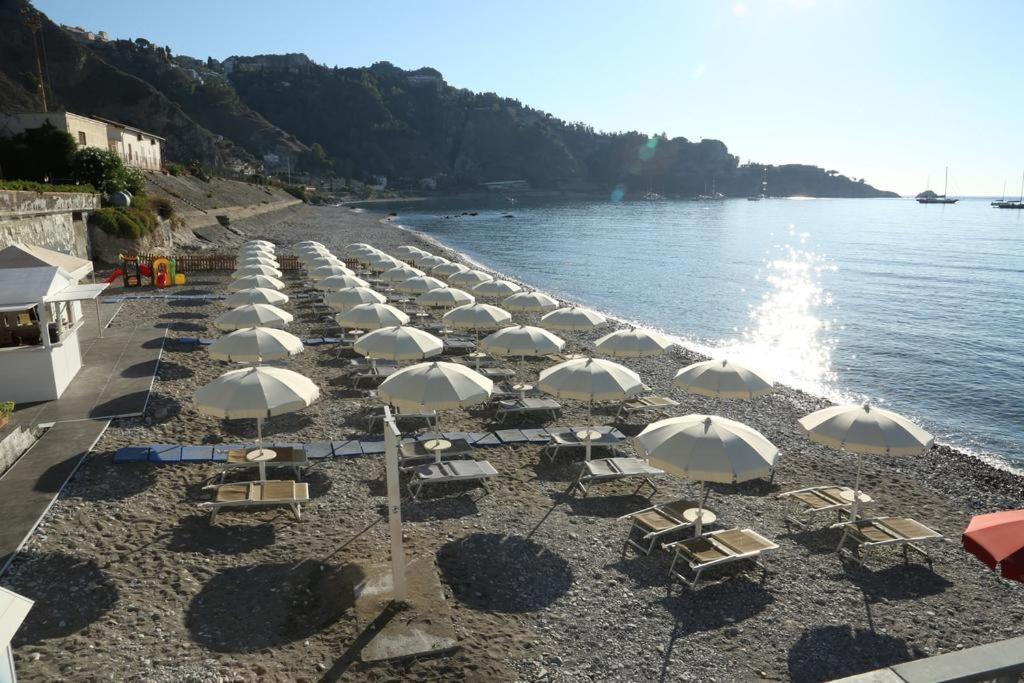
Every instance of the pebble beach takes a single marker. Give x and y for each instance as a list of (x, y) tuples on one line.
[(132, 583)]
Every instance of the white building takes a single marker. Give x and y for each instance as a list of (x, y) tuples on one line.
[(136, 147), (13, 610), (40, 315)]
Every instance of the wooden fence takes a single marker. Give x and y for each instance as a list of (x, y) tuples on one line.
[(208, 263)]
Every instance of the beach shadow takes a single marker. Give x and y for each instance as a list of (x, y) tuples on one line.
[(279, 424), (717, 605), (170, 371), (247, 609), (833, 652), (183, 315), (129, 404), (144, 369), (194, 534), (606, 506), (896, 582), (162, 407), (754, 487), (157, 342), (319, 481), (818, 540), (188, 303), (437, 509), (181, 326), (103, 484), (511, 574), (70, 594)]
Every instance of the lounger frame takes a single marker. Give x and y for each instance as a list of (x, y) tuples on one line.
[(585, 478), (650, 536), (839, 506), (295, 504), (416, 483), (907, 543), (731, 556)]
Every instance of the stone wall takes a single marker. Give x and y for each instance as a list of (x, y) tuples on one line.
[(54, 220)]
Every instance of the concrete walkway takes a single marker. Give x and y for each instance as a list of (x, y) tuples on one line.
[(28, 489)]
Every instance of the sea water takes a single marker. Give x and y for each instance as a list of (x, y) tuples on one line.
[(919, 308)]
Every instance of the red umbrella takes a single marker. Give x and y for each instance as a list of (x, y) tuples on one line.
[(998, 538)]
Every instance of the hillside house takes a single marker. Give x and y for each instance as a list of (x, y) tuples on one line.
[(135, 147)]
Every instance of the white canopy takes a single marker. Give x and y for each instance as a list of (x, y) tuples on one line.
[(572, 319), (435, 386), (632, 343), (448, 269), (400, 273), (253, 315), (256, 269), (445, 297), (521, 340), (428, 260), (469, 278), (495, 289), (722, 379), (255, 345), (250, 281), (529, 302), (419, 284), (344, 299), (258, 392), (371, 317), (398, 343), (256, 295), (336, 282), (476, 317), (590, 380)]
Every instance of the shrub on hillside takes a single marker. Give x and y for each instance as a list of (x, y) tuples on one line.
[(175, 170), (130, 222), (297, 191), (161, 206), (104, 170), (32, 186), (197, 170)]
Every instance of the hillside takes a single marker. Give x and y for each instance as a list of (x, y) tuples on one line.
[(412, 127)]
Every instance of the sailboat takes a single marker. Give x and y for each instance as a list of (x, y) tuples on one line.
[(764, 188), (929, 197), (1012, 204)]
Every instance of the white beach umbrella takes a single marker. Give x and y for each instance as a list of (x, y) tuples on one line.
[(309, 257), (259, 243), (258, 261), (380, 262), (309, 243), (255, 345), (435, 386), (477, 317), (344, 299), (445, 297), (632, 343), (707, 448), (358, 248), (522, 341), (428, 261), (320, 261), (448, 269), (400, 273), (419, 284), (250, 281), (371, 317), (256, 269), (364, 257), (324, 272), (495, 289), (253, 315), (571, 319), (256, 295), (722, 379), (865, 429), (407, 250), (336, 282), (589, 380), (256, 251), (398, 343), (469, 278), (529, 302), (313, 252), (256, 393)]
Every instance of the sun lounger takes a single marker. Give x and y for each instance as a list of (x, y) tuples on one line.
[(569, 439), (286, 457), (882, 531), (527, 406), (254, 494), (823, 499), (494, 373), (458, 346), (655, 522), (451, 471), (661, 404), (429, 416), (718, 548), (410, 452), (373, 374), (614, 469)]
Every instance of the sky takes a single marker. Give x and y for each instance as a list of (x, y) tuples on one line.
[(891, 91)]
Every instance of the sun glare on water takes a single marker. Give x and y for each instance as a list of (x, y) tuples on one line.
[(788, 337)]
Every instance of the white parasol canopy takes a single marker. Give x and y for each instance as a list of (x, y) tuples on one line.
[(469, 278), (344, 299), (435, 386), (521, 340), (495, 289), (707, 448), (479, 317), (419, 284), (336, 282), (428, 261), (632, 343), (448, 269), (256, 269), (256, 295), (371, 317), (398, 343), (530, 302), (445, 297), (324, 272), (409, 250), (259, 243), (255, 345), (722, 379), (253, 315), (400, 273), (572, 319), (250, 281), (258, 261)]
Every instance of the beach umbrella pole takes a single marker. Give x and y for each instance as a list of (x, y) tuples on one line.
[(698, 525), (259, 448), (590, 407), (856, 489)]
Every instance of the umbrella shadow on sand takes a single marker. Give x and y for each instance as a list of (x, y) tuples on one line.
[(70, 593), (895, 582), (838, 651), (497, 573), (194, 534), (296, 601)]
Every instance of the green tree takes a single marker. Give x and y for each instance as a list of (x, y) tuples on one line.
[(104, 170), (40, 154)]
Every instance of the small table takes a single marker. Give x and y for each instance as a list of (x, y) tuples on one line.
[(847, 494), (437, 445), (586, 434), (523, 388), (477, 356), (261, 456), (698, 517)]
